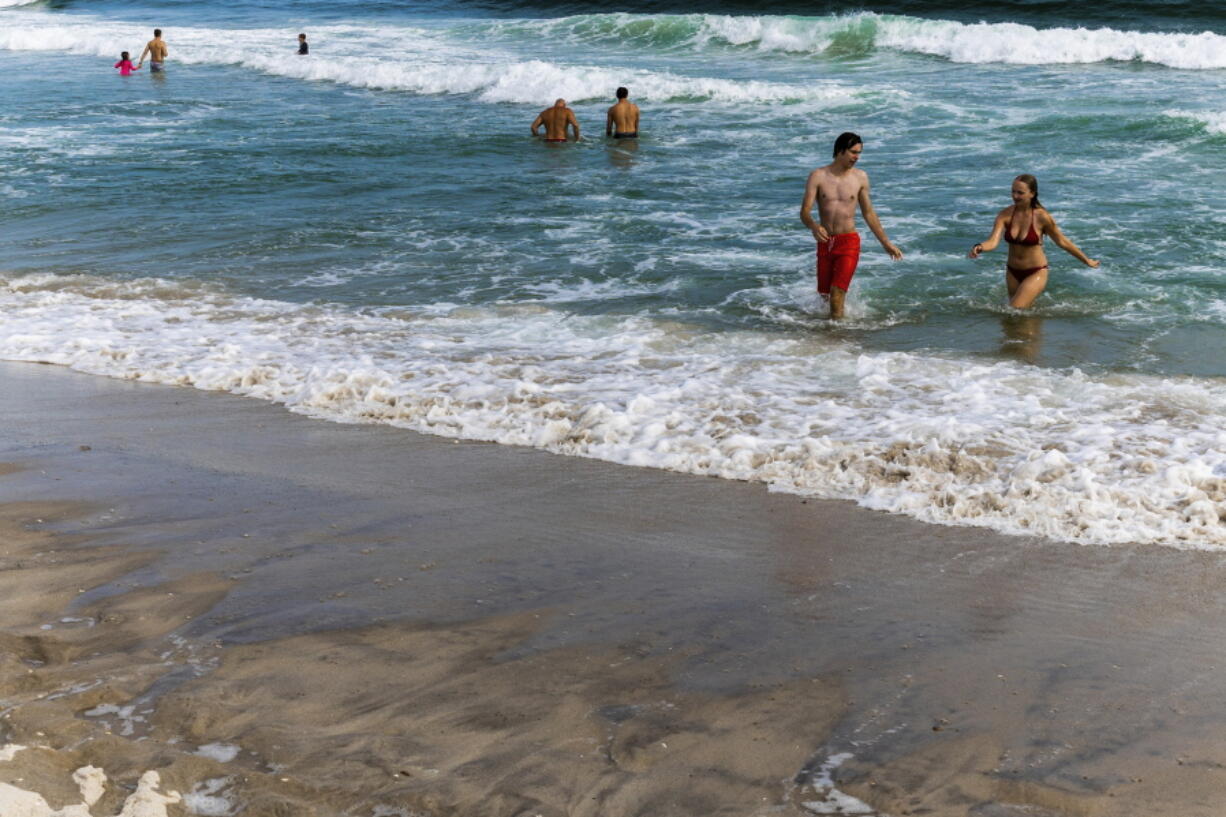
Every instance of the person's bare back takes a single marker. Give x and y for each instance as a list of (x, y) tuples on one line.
[(555, 121), (157, 51), (622, 121)]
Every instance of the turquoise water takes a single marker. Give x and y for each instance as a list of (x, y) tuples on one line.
[(370, 233)]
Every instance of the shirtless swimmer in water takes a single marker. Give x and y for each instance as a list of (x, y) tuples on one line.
[(156, 50), (837, 189), (622, 121), (556, 120)]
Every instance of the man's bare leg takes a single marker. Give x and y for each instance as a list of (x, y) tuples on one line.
[(837, 296)]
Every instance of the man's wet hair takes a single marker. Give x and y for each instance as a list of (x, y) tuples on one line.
[(622, 93), (846, 141), (157, 32)]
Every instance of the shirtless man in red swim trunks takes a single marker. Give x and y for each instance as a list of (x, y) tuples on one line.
[(556, 120), (838, 188)]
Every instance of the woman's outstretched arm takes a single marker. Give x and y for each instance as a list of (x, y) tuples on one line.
[(993, 240), (1062, 241)]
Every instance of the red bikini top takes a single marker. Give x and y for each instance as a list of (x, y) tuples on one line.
[(1032, 235)]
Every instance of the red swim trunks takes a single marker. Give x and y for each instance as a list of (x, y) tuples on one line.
[(836, 261)]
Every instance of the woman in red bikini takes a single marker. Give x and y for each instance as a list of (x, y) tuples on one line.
[(1023, 226)]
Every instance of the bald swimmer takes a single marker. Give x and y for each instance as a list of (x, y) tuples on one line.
[(556, 120)]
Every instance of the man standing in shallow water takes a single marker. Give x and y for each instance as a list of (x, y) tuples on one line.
[(623, 119), (838, 188), (156, 49), (556, 120)]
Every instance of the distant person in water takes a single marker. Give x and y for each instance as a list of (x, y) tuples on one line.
[(157, 51), (125, 65), (555, 121), (838, 188), (303, 48), (623, 119), (1023, 225)]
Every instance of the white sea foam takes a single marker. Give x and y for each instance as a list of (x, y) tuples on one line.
[(410, 60), (460, 60), (1113, 458), (59, 140), (126, 715), (1021, 44), (834, 801), (208, 799), (221, 752), (973, 43), (1214, 121), (960, 42)]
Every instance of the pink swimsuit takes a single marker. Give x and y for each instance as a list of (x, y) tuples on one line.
[(125, 67)]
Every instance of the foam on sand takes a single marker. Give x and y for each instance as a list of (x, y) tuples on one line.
[(146, 801), (834, 801), (9, 751), (221, 752), (207, 798)]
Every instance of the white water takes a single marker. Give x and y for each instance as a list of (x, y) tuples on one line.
[(429, 61), (960, 42), (1214, 121), (409, 59), (1096, 459)]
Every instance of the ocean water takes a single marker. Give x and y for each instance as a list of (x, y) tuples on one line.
[(370, 234)]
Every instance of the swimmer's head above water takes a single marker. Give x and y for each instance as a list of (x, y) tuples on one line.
[(1026, 187), (846, 141)]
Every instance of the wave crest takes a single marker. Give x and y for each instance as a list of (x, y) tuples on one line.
[(422, 64), (861, 33)]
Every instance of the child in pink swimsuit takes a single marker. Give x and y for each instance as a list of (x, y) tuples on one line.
[(125, 65)]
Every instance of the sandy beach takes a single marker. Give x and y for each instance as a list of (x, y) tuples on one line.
[(284, 616)]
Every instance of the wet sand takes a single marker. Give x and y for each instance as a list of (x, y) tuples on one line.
[(305, 618)]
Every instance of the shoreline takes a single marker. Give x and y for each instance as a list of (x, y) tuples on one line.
[(493, 630)]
